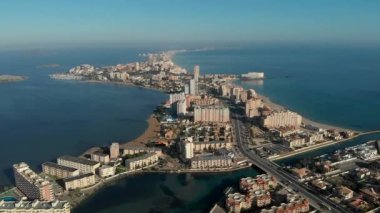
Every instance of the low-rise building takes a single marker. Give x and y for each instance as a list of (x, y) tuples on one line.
[(83, 165), (142, 161), (139, 149), (319, 184), (59, 171), (300, 172), (201, 146), (294, 142), (237, 202), (100, 157), (80, 181), (210, 161), (297, 206), (344, 192), (106, 171), (35, 206), (260, 197), (371, 194), (359, 205), (260, 182)]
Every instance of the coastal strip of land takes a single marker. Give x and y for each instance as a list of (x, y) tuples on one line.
[(11, 78)]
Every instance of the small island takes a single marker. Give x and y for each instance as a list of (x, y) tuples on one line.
[(11, 78)]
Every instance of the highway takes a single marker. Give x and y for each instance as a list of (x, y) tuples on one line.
[(319, 202)]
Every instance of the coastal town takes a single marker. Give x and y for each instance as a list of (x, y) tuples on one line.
[(208, 124)]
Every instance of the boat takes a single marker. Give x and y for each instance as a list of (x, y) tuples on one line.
[(253, 76)]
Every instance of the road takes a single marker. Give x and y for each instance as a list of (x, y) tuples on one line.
[(319, 202)]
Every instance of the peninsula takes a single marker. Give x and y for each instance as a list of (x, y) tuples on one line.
[(11, 78), (208, 124)]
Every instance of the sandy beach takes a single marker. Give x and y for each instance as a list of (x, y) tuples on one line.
[(151, 132)]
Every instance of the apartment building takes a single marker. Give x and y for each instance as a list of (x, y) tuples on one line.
[(80, 181), (59, 171), (32, 185), (140, 162), (100, 157), (210, 161), (82, 164), (35, 206)]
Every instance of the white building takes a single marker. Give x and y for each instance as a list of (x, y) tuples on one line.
[(210, 162), (193, 87), (82, 164), (106, 171), (187, 149), (282, 119), (186, 89), (181, 107), (80, 181), (174, 97), (213, 113), (141, 162), (196, 73), (35, 206)]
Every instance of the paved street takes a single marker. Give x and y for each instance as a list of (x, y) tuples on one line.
[(318, 202)]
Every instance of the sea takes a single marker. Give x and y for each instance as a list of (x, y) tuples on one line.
[(41, 118)]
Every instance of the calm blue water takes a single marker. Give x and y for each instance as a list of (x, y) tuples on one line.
[(41, 119), (333, 85)]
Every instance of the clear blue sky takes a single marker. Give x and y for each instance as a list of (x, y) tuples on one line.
[(25, 22)]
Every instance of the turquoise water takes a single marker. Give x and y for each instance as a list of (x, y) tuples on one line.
[(8, 199), (41, 118)]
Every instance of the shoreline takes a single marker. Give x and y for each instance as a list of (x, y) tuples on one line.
[(149, 132), (319, 146), (274, 106), (154, 126)]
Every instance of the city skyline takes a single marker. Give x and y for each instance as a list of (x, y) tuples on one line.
[(49, 23)]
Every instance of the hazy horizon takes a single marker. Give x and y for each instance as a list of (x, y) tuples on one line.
[(47, 24)]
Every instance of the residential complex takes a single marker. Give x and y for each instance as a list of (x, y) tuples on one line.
[(59, 171), (82, 164), (35, 206), (260, 182), (31, 184), (80, 181), (210, 161), (213, 113), (142, 161), (237, 202), (297, 206), (282, 119), (106, 171), (252, 107), (100, 157), (131, 150)]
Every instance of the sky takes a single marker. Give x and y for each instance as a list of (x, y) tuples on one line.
[(49, 22)]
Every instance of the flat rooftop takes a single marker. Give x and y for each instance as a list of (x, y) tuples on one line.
[(57, 166), (36, 204), (78, 160), (69, 179)]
